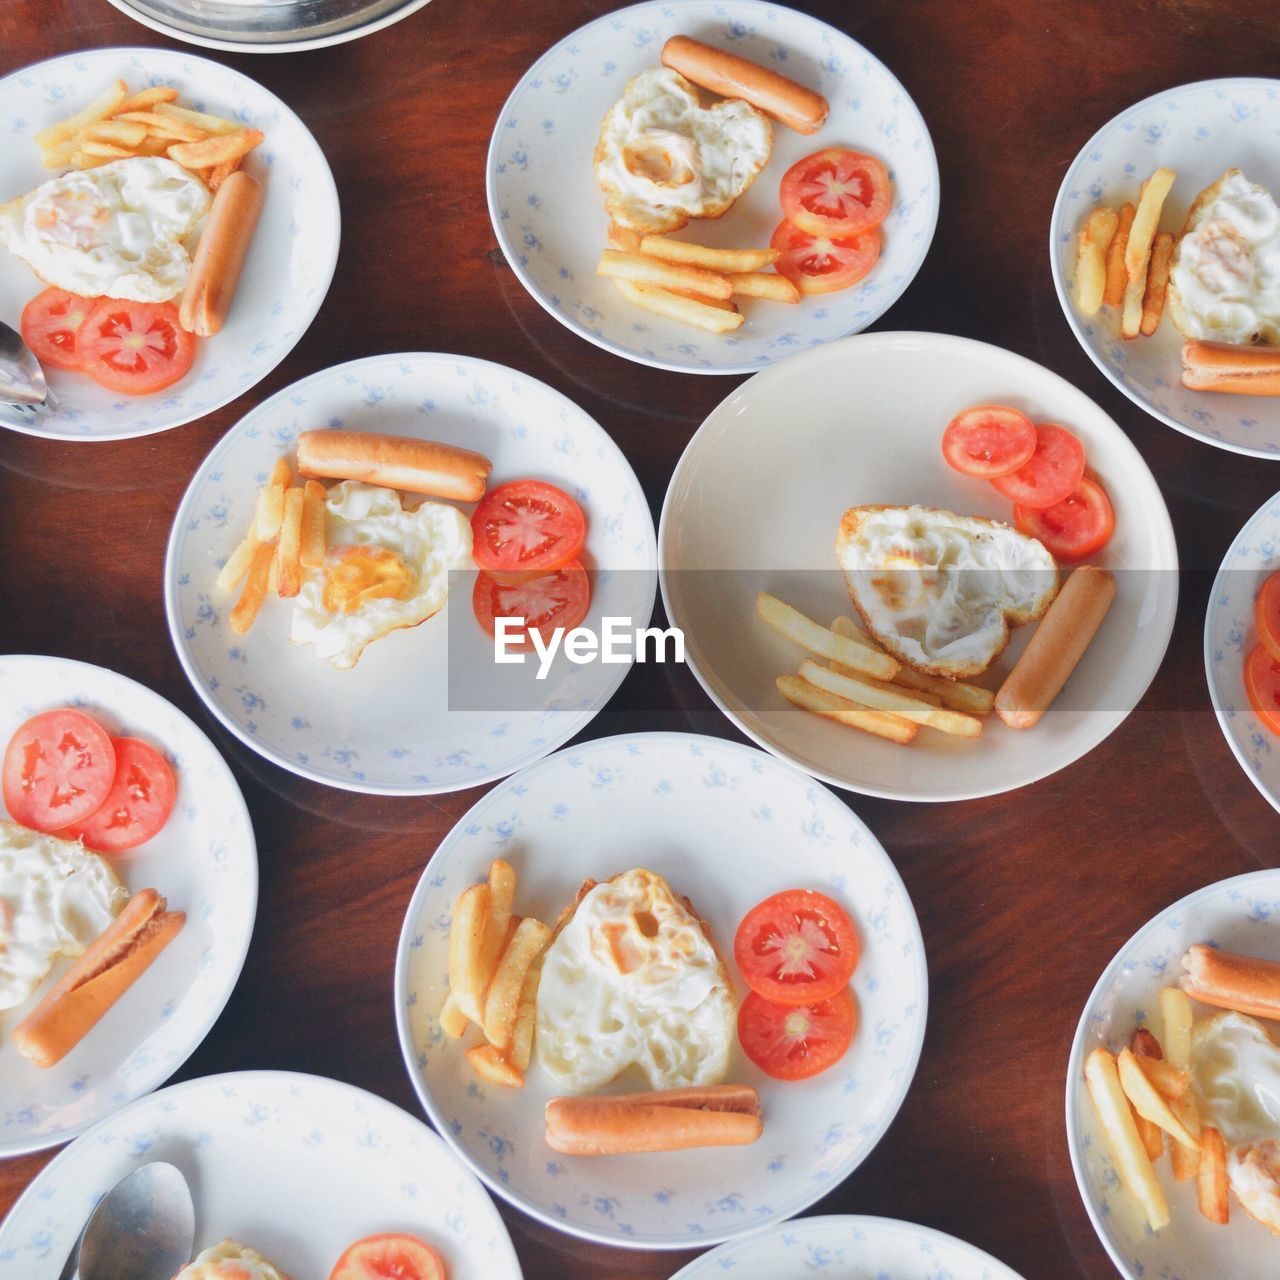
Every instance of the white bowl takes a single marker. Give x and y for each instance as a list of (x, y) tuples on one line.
[(548, 213), (754, 505), (204, 861), (1198, 130), (711, 816), (286, 275), (1236, 914)]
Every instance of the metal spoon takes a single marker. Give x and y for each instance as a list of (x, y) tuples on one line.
[(142, 1229), (21, 377)]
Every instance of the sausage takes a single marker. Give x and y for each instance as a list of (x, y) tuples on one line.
[(396, 462), (220, 255)]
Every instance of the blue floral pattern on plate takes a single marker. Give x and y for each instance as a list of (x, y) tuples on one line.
[(1198, 130), (296, 1165), (549, 215), (204, 861), (727, 825), (290, 264)]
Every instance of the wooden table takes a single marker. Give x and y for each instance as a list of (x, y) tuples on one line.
[(1022, 898)]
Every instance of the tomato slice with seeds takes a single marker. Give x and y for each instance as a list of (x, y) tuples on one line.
[(57, 769), (545, 601), (389, 1257), (796, 947), (836, 193), (138, 804), (1073, 529), (1266, 615), (135, 347), (820, 264), (1262, 684), (50, 323), (1053, 473), (796, 1041), (989, 440), (526, 526)]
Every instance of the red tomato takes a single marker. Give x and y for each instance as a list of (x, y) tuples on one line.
[(389, 1257), (1266, 615), (796, 947), (135, 347), (1075, 528), (796, 1041), (527, 525), (138, 804), (818, 264), (989, 440), (57, 769), (546, 601), (836, 193), (1053, 474), (1262, 684), (50, 322)]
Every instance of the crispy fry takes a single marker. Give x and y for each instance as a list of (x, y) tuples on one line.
[(620, 237), (255, 589), (145, 98), (692, 311), (1144, 1044), (1091, 260), (521, 1051), (1177, 1015), (502, 889), (164, 126), (104, 150), (639, 268), (105, 104), (210, 124), (238, 562), (314, 526), (918, 694), (1157, 283), (1148, 1102), (810, 698), (1152, 1136), (466, 942), (123, 133), (826, 644), (1137, 252), (216, 176), (763, 284), (453, 1022), (880, 697), (215, 150), (280, 474), (726, 261), (60, 155), (1186, 1162), (289, 547), (502, 1004), (270, 511), (1166, 1079), (1113, 294), (1211, 1178), (493, 1068)]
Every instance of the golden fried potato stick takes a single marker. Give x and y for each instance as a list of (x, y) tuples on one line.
[(238, 562), (124, 133), (826, 644), (1091, 259), (493, 1068), (146, 98), (1157, 283), (1147, 1100), (466, 942), (880, 697), (314, 525), (639, 268), (165, 126), (726, 261), (104, 105), (502, 1004), (289, 548), (255, 589), (808, 697), (215, 150), (1113, 294), (210, 124), (1211, 1178), (764, 284), (1137, 253), (692, 311), (270, 511)]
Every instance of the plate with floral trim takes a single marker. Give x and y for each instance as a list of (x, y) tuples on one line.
[(295, 1166), (204, 861), (728, 826), (549, 217)]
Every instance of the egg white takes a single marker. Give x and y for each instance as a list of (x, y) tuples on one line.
[(230, 1260)]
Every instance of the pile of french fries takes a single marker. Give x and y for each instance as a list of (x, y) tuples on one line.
[(1123, 261), (287, 534), (494, 967), (691, 283), (118, 125), (1144, 1093), (864, 687)]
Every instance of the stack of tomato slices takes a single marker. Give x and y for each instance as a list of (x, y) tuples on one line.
[(796, 951), (833, 203), (1262, 666), (131, 347), (526, 539), (1040, 466)]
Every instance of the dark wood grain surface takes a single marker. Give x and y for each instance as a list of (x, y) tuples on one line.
[(1023, 898)]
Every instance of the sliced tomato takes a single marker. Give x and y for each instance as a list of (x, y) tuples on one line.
[(545, 601), (135, 347), (1266, 615), (389, 1257), (57, 769), (819, 264), (796, 947), (50, 323), (1075, 528), (526, 526), (989, 440), (836, 193), (138, 804), (796, 1041), (1262, 684), (1053, 472)]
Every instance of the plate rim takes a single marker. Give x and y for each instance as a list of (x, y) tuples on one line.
[(496, 1186), (891, 297)]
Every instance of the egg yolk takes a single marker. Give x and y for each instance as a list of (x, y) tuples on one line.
[(353, 575)]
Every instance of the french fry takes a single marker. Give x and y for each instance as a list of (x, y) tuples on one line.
[(802, 694), (270, 511), (280, 474), (763, 284), (215, 150), (825, 643), (726, 261), (502, 888), (466, 942), (289, 548), (453, 1022), (105, 104), (104, 150), (639, 268), (314, 527), (201, 120), (502, 1004), (273, 576), (1177, 1015), (165, 126), (1211, 1178), (918, 694), (60, 155), (1166, 1079), (146, 98), (1152, 1136), (1144, 1044), (1113, 294), (1185, 1162), (880, 697), (1157, 283), (255, 589), (124, 133), (620, 237), (1131, 1160), (1091, 259), (1137, 252), (493, 1068), (521, 1051), (238, 562), (691, 311), (216, 176), (1148, 1102)]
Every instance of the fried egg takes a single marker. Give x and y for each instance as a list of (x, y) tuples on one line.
[(633, 979), (939, 591), (55, 899), (385, 567), (1224, 285), (663, 158), (122, 230), (230, 1260)]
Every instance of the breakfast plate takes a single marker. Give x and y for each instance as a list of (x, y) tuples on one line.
[(204, 861), (882, 1247), (754, 508), (1237, 915), (291, 258), (1230, 634), (549, 217), (295, 1166), (1197, 130), (673, 803), (425, 710)]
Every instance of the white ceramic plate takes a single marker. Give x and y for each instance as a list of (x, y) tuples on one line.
[(755, 503), (286, 275), (297, 1166), (1198, 130), (1229, 636), (394, 724), (1237, 914), (548, 213), (728, 826), (204, 861), (848, 1245)]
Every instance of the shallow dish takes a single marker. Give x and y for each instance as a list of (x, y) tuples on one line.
[(548, 213)]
